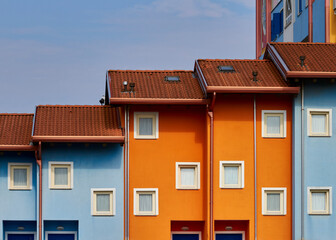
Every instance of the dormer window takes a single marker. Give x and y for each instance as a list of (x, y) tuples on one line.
[(226, 68)]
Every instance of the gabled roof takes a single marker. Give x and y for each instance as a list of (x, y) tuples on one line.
[(241, 79), (319, 59), (75, 123), (15, 131), (152, 87)]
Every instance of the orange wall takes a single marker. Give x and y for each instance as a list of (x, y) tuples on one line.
[(182, 138), (274, 168), (233, 123)]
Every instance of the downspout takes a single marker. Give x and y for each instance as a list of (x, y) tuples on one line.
[(211, 115), (302, 161), (310, 20), (126, 172), (255, 165), (327, 21), (38, 156)]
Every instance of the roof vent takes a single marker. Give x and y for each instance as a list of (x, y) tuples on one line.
[(132, 86), (172, 78), (302, 58), (226, 68), (255, 74)]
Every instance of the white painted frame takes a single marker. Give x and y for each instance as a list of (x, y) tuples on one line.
[(29, 176), (19, 232), (321, 111), (231, 163), (264, 200), (136, 201), (328, 190), (263, 121), (71, 175), (196, 165), (60, 233), (231, 232), (185, 233), (155, 122), (93, 206)]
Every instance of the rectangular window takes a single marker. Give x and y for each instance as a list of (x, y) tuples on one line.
[(103, 201), (288, 12), (19, 176), (274, 201), (146, 201), (187, 175), (319, 200), (146, 125), (231, 174), (60, 175), (273, 123), (319, 122)]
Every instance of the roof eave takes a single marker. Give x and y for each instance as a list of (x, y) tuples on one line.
[(18, 148), (277, 60), (173, 101), (221, 89), (86, 139), (308, 74)]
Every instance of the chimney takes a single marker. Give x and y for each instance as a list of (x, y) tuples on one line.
[(132, 86), (302, 58), (255, 74)]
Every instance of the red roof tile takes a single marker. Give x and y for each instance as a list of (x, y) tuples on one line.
[(15, 129), (152, 85), (268, 75), (319, 57), (75, 121)]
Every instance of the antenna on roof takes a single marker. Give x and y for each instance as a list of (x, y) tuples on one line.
[(302, 58)]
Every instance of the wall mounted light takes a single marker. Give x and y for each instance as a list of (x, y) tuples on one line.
[(184, 228), (228, 228), (60, 228), (20, 228)]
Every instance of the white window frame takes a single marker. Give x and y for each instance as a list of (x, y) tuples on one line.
[(264, 113), (29, 167), (155, 120), (155, 199), (19, 232), (94, 192), (312, 111), (283, 201), (51, 175), (187, 232), (241, 173), (232, 232), (328, 191), (180, 165)]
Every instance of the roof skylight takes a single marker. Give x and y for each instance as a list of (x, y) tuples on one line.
[(172, 78), (226, 68)]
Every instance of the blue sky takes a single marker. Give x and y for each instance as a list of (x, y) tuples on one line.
[(57, 52)]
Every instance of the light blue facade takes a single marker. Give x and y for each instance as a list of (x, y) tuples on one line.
[(319, 154), (94, 166), (18, 207)]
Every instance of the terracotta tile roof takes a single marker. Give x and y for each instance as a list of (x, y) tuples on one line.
[(15, 129), (268, 75), (319, 57), (152, 84), (75, 121)]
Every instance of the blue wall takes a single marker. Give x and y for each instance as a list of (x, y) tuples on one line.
[(319, 158), (301, 22), (16, 205), (95, 166)]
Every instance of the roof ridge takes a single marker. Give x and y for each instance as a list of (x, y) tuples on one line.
[(128, 70), (235, 60), (83, 106), (16, 114), (301, 43)]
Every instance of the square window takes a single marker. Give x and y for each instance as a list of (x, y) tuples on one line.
[(273, 123), (231, 174), (146, 125), (19, 176), (146, 201), (187, 175), (274, 201), (60, 175), (103, 201), (319, 200), (319, 122)]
